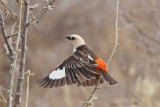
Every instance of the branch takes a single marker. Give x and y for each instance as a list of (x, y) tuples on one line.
[(3, 99), (92, 97), (1, 95), (44, 10), (12, 31), (2, 23), (18, 95), (49, 5), (3, 88), (116, 35), (11, 55), (13, 66), (21, 33), (28, 73), (88, 102), (33, 7), (5, 4)]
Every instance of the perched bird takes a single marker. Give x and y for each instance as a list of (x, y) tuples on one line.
[(84, 68)]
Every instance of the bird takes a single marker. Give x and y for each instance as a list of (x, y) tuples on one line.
[(83, 68)]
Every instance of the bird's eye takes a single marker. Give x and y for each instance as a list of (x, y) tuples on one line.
[(73, 38)]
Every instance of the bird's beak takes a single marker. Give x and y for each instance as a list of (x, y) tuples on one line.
[(68, 37)]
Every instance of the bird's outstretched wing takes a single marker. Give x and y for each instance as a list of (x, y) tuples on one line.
[(78, 69)]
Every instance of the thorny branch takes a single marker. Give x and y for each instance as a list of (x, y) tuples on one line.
[(88, 102)]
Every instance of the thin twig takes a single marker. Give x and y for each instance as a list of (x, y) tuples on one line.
[(33, 7), (28, 73), (41, 12), (13, 34), (12, 31), (116, 35), (6, 51), (1, 95), (27, 91), (3, 99), (18, 95), (3, 88), (92, 97), (88, 102), (5, 4)]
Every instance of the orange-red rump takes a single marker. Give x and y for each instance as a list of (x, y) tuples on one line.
[(101, 64)]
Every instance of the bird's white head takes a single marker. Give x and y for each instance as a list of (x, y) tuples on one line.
[(76, 40)]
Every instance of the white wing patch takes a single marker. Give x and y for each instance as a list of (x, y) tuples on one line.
[(57, 74), (74, 50), (89, 56)]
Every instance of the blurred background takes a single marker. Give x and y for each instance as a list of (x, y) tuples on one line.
[(135, 65)]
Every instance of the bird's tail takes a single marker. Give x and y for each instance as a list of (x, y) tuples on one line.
[(108, 78)]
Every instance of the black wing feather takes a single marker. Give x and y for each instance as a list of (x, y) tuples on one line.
[(79, 69)]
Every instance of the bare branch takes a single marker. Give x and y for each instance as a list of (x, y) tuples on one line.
[(1, 94), (3, 99), (21, 34), (88, 102), (12, 30), (28, 73), (92, 97), (41, 12), (3, 88), (18, 95), (10, 84), (11, 55), (5, 4), (14, 62), (13, 34), (6, 51), (33, 7), (116, 35), (2, 23)]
